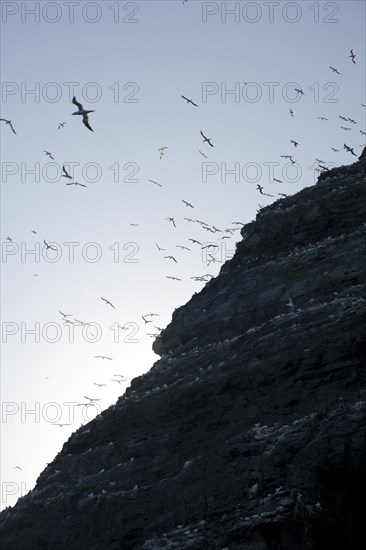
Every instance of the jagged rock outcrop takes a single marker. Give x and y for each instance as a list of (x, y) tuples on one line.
[(249, 433)]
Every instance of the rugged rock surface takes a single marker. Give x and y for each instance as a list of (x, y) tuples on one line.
[(249, 433)]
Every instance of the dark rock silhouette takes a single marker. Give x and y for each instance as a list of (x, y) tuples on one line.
[(250, 432)]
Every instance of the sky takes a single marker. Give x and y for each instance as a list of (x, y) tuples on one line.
[(130, 62)]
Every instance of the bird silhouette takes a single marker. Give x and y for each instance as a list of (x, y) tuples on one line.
[(206, 139), (82, 112), (9, 123), (189, 101)]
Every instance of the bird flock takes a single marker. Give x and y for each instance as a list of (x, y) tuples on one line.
[(209, 248)]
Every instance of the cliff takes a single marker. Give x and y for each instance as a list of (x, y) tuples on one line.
[(249, 433)]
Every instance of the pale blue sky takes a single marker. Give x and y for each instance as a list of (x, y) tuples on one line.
[(169, 51)]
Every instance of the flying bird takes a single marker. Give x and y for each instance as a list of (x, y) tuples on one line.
[(194, 241), (103, 357), (171, 220), (159, 248), (294, 142), (343, 117), (91, 399), (48, 154), (290, 157), (334, 70), (187, 203), (61, 125), (292, 113), (49, 246), (65, 174), (99, 385), (277, 181), (335, 150), (173, 278), (189, 101), (146, 320), (9, 123), (299, 91), (353, 56), (108, 302), (182, 247), (322, 118), (349, 150), (82, 112), (206, 139), (171, 258), (65, 314), (345, 128), (162, 151), (260, 189), (203, 154)]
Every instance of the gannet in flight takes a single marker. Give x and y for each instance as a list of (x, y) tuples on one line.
[(334, 70), (277, 181), (335, 150), (9, 239), (8, 122), (17, 468), (65, 174), (99, 385), (171, 258), (343, 117), (83, 113), (108, 302), (173, 278), (49, 246), (345, 128), (146, 320), (61, 125), (187, 203), (48, 154), (299, 91), (288, 157), (349, 150), (162, 151), (159, 248), (171, 220), (294, 142), (194, 241), (353, 56), (322, 118), (206, 139), (103, 357), (203, 154), (260, 189), (182, 247), (65, 314), (292, 113), (351, 120), (189, 101), (91, 399)]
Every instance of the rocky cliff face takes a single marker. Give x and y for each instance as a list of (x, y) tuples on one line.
[(249, 433)]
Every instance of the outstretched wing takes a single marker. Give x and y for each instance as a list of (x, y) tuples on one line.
[(79, 105), (86, 122)]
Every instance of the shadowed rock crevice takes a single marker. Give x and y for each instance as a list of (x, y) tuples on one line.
[(249, 433)]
